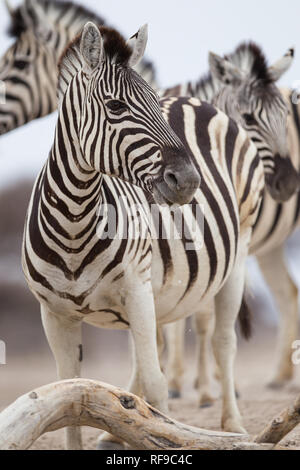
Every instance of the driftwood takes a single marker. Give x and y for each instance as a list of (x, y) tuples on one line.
[(281, 425), (81, 402)]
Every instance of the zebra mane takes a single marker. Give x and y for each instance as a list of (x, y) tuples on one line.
[(249, 57), (56, 10), (69, 65), (71, 61)]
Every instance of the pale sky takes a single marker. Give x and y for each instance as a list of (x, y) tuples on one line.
[(180, 36)]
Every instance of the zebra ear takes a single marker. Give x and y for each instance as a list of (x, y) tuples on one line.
[(91, 46), (282, 65), (138, 44), (223, 70), (35, 19)]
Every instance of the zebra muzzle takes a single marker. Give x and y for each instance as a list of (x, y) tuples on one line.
[(178, 185), (285, 181)]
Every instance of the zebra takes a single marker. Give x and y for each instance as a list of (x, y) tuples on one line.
[(116, 146), (242, 85), (28, 70)]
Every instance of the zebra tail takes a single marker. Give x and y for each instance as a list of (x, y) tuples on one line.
[(245, 320)]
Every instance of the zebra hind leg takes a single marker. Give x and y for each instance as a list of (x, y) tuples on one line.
[(285, 291), (204, 322), (175, 349), (64, 338), (227, 305)]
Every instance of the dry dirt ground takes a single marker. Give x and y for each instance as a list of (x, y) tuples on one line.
[(111, 364)]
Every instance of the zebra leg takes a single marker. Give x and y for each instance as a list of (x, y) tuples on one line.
[(160, 345), (141, 313), (275, 272), (106, 440), (64, 338), (227, 305), (175, 367), (135, 382), (147, 376), (204, 321)]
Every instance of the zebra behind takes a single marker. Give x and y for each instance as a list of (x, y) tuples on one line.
[(143, 150), (243, 86), (41, 29)]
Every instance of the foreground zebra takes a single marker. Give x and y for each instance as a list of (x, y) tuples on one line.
[(243, 86), (42, 29), (110, 124)]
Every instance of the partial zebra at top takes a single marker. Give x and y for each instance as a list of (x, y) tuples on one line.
[(42, 29), (244, 87), (66, 14)]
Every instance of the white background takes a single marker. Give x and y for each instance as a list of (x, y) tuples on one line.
[(180, 36)]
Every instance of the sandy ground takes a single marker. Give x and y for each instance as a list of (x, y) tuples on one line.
[(257, 403)]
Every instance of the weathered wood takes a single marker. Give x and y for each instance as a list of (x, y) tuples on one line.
[(81, 402), (281, 425)]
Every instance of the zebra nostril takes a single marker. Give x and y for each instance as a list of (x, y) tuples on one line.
[(277, 186), (171, 179)]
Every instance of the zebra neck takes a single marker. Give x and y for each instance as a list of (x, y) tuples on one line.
[(72, 188), (205, 88)]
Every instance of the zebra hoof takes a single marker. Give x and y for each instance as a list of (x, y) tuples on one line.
[(173, 394), (206, 401), (109, 445), (205, 405)]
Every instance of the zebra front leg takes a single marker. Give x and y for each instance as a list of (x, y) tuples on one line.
[(64, 338), (227, 305), (275, 272), (106, 440), (204, 322), (141, 314), (160, 345), (175, 349), (147, 376), (135, 382)]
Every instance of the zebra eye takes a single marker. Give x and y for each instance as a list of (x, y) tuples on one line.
[(116, 106), (21, 64), (249, 119)]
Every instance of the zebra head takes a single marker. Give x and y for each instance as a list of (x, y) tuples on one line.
[(28, 69), (248, 94), (116, 116)]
